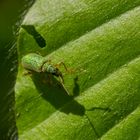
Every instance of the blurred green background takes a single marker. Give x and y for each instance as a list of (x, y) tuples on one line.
[(11, 15)]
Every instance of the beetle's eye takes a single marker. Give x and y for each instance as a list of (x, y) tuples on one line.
[(56, 71)]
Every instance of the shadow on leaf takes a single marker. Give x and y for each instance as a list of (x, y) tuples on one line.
[(52, 91)]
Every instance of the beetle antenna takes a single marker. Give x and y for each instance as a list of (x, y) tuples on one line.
[(64, 66)]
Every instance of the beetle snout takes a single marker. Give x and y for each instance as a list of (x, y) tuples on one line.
[(57, 72)]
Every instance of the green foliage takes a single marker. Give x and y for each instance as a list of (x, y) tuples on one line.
[(99, 41)]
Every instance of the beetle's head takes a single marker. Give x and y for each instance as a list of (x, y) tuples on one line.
[(57, 73)]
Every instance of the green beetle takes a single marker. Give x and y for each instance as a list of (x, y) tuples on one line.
[(33, 62)]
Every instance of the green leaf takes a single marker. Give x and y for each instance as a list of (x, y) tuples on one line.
[(99, 41)]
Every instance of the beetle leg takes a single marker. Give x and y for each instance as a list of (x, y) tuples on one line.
[(60, 64), (67, 70), (27, 72)]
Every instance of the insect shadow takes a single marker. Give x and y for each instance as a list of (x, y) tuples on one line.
[(52, 91), (76, 89), (55, 94)]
